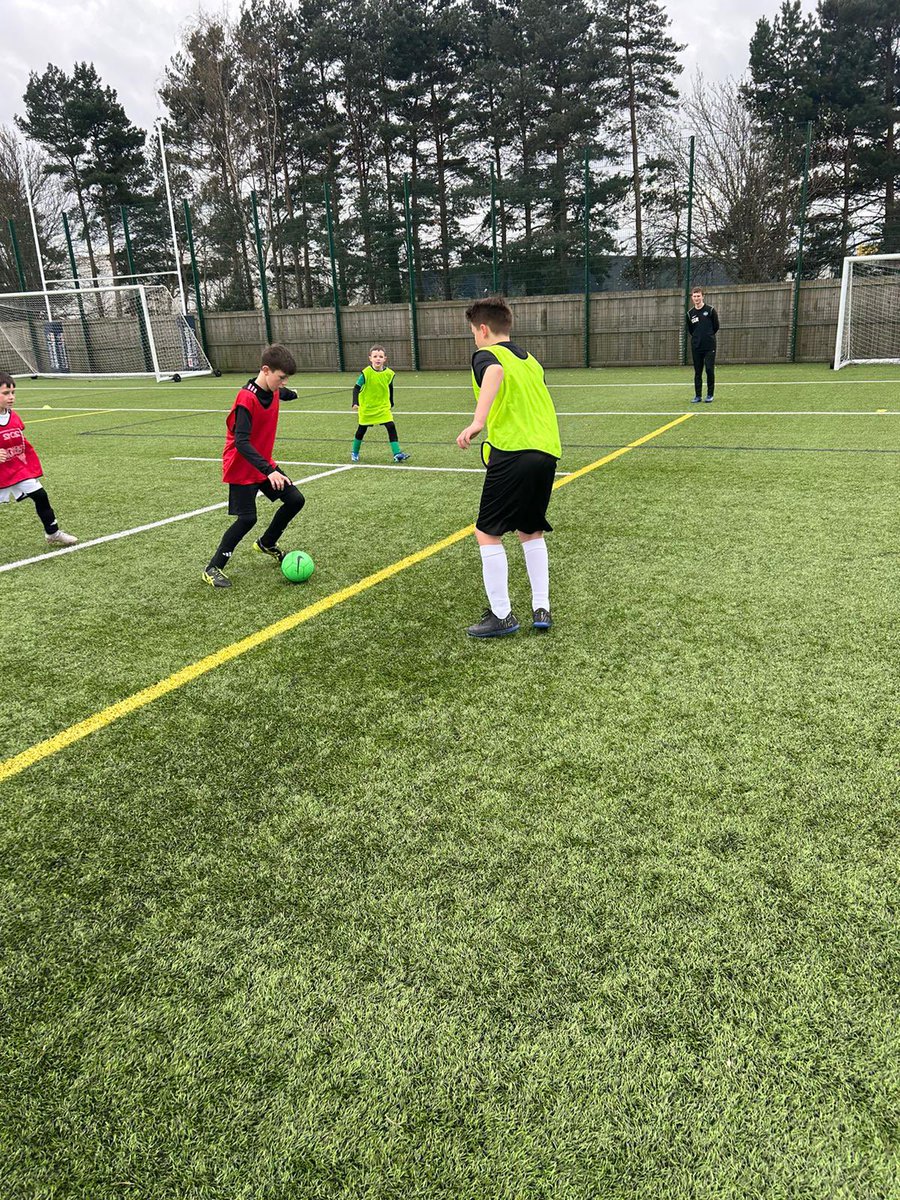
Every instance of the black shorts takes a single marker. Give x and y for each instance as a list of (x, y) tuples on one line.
[(516, 492), (242, 497)]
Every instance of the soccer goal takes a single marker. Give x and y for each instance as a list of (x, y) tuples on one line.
[(869, 315), (82, 332)]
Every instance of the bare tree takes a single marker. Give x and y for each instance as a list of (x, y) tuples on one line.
[(737, 205), (48, 203)]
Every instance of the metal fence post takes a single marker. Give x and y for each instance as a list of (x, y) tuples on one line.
[(411, 268), (795, 314), (687, 267), (195, 275), (495, 271), (338, 330), (85, 328), (263, 285), (587, 257), (129, 253), (13, 237)]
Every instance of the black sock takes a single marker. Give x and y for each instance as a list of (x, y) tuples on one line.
[(287, 510), (233, 534), (44, 510)]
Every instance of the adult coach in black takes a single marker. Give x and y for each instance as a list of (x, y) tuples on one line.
[(702, 327)]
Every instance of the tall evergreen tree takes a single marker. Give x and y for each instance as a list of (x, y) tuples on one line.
[(54, 118)]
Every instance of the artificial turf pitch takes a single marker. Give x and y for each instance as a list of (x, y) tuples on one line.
[(375, 911)]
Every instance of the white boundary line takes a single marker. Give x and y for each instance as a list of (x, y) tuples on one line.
[(467, 412), (455, 387), (287, 462), (114, 537)]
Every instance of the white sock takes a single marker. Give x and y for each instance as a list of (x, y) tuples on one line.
[(495, 570), (537, 565)]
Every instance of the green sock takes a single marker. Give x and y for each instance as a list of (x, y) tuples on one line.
[(357, 445), (395, 448)]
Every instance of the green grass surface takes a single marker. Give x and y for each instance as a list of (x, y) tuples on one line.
[(374, 911)]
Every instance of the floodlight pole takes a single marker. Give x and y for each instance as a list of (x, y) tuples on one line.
[(798, 273), (37, 244), (165, 167)]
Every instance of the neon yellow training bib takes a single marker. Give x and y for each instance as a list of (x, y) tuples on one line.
[(522, 416), (375, 396)]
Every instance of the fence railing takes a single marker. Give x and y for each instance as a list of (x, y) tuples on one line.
[(625, 329)]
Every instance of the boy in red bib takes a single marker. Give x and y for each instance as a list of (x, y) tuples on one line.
[(247, 465), (20, 467)]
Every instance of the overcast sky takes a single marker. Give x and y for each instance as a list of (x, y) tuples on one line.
[(130, 41)]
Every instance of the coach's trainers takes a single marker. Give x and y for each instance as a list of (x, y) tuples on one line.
[(541, 618), (61, 538), (275, 552), (709, 399), (491, 626), (216, 577), (697, 400), (401, 457)]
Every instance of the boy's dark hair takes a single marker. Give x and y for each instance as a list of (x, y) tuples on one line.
[(278, 358), (377, 346), (493, 312), (6, 380), (696, 288)]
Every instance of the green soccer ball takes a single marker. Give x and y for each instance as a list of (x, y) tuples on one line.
[(297, 566)]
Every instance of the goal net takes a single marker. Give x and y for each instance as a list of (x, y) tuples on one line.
[(133, 329), (869, 315)]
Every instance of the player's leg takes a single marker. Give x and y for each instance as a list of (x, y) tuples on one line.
[(537, 472), (357, 442), (291, 501), (697, 356), (709, 361), (496, 516), (241, 506), (52, 532), (537, 564), (399, 455)]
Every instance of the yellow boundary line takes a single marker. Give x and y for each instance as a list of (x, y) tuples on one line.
[(91, 412), (122, 708)]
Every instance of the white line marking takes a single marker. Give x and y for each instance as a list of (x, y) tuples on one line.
[(464, 412), (455, 387), (287, 462), (114, 537)]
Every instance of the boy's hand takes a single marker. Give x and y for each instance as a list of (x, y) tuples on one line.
[(287, 394), (356, 406), (278, 480), (465, 438)]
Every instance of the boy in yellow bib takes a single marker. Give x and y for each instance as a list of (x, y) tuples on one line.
[(373, 396), (522, 437)]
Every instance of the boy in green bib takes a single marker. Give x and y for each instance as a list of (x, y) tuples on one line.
[(373, 396), (522, 439)]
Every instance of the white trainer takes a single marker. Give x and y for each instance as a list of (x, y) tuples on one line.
[(61, 538)]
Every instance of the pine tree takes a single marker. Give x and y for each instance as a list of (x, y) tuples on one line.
[(780, 94), (54, 106), (648, 67)]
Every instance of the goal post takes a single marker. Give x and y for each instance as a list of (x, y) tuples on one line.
[(87, 332), (868, 329)]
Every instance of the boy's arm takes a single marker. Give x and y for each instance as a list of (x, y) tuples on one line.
[(715, 320), (287, 394), (360, 383), (490, 386), (391, 389)]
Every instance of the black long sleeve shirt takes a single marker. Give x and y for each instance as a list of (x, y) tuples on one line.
[(702, 326)]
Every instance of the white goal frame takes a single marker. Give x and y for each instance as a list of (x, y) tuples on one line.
[(194, 361), (845, 309)]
